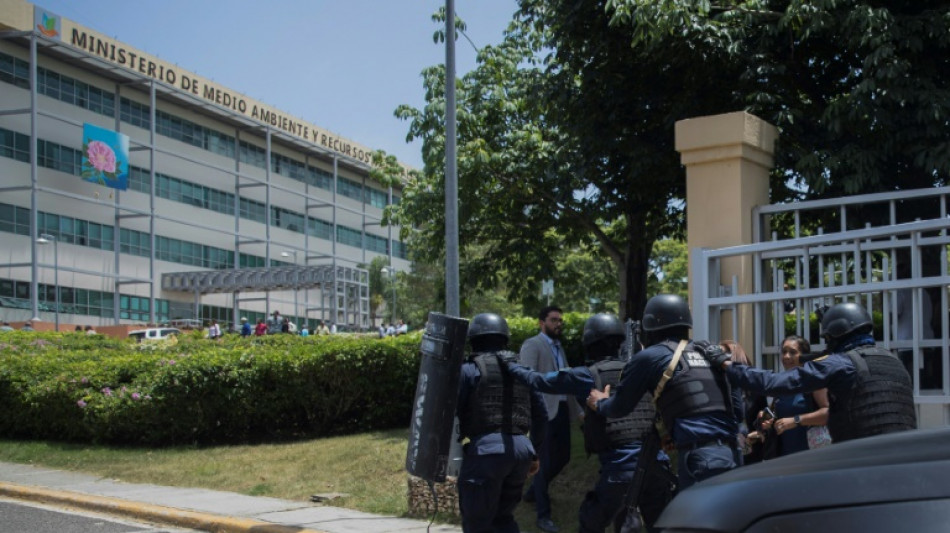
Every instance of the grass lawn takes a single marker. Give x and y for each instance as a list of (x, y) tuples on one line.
[(369, 467)]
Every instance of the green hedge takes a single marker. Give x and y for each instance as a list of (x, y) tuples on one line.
[(95, 389), (82, 388), (813, 325)]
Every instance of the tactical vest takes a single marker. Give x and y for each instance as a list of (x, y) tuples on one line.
[(601, 433), (499, 403), (881, 400), (694, 389)]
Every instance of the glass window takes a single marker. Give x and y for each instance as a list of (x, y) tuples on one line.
[(350, 236), (15, 71), (194, 134), (7, 218), (135, 113), (319, 228), (350, 189), (376, 198), (252, 155), (399, 250), (14, 145)]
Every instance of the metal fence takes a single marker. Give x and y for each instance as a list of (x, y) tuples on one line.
[(886, 251)]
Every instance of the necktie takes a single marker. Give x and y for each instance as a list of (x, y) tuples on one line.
[(558, 358)]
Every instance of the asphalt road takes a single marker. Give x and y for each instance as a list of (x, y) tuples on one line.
[(21, 517)]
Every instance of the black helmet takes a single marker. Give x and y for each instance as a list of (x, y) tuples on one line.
[(488, 324), (602, 326), (843, 319), (666, 311)]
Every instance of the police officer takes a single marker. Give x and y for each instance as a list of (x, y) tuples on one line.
[(869, 391), (616, 441), (698, 408), (496, 414)]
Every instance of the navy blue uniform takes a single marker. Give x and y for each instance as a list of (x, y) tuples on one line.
[(495, 465), (706, 442), (617, 466), (835, 371), (870, 394)]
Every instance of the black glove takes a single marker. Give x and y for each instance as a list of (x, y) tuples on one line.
[(712, 353)]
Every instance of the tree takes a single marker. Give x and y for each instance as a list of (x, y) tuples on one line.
[(377, 285), (859, 89), (556, 150), (585, 281), (566, 127), (669, 263), (420, 291)]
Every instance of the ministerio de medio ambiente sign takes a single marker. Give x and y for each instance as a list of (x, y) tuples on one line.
[(119, 54)]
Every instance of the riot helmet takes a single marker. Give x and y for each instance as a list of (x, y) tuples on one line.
[(666, 316), (665, 311), (603, 335), (844, 319), (488, 332)]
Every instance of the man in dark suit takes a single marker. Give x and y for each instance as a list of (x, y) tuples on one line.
[(543, 353)]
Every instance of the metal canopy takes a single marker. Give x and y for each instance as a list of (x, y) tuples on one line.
[(262, 279)]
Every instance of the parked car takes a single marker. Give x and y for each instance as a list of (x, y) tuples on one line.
[(895, 482), (185, 323), (153, 334)]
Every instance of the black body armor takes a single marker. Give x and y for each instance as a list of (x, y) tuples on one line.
[(602, 434), (694, 389), (499, 404), (881, 401)]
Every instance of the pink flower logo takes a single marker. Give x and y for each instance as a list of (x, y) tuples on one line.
[(105, 158), (101, 156)]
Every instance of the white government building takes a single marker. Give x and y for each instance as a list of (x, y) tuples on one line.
[(233, 208)]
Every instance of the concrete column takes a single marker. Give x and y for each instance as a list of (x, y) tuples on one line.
[(728, 159)]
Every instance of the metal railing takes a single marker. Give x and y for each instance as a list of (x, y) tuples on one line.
[(886, 251)]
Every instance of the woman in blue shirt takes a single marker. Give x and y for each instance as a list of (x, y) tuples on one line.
[(795, 413)]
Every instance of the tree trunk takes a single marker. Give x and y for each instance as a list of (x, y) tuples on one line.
[(633, 271)]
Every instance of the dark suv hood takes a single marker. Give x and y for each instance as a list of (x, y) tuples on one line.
[(912, 466)]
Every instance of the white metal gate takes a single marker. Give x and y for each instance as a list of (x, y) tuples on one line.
[(896, 266)]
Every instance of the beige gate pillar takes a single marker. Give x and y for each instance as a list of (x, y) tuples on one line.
[(727, 158)]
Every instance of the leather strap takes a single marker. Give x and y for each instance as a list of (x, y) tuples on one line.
[(668, 373)]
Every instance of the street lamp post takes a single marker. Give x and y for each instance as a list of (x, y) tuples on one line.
[(46, 238), (288, 253), (392, 278)]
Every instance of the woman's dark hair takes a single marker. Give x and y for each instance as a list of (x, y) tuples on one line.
[(737, 352), (803, 346)]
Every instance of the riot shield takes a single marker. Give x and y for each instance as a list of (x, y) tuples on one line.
[(433, 411)]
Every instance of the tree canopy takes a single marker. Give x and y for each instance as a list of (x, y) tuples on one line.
[(565, 128)]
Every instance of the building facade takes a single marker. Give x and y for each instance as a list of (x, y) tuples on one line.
[(232, 208)]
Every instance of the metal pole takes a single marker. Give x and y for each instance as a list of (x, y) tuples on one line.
[(296, 281), (46, 238), (34, 184), (392, 279), (452, 307), (56, 277)]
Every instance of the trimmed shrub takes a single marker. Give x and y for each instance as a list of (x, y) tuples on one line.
[(191, 390), (814, 325), (198, 391)]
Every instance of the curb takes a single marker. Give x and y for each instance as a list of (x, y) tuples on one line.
[(154, 513)]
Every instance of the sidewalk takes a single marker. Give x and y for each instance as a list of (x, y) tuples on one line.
[(202, 509)]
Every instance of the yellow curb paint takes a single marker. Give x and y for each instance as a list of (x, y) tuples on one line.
[(155, 513)]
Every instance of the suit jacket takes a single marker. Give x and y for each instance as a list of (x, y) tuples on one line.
[(536, 353)]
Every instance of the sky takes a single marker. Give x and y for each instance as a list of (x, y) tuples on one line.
[(343, 65)]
